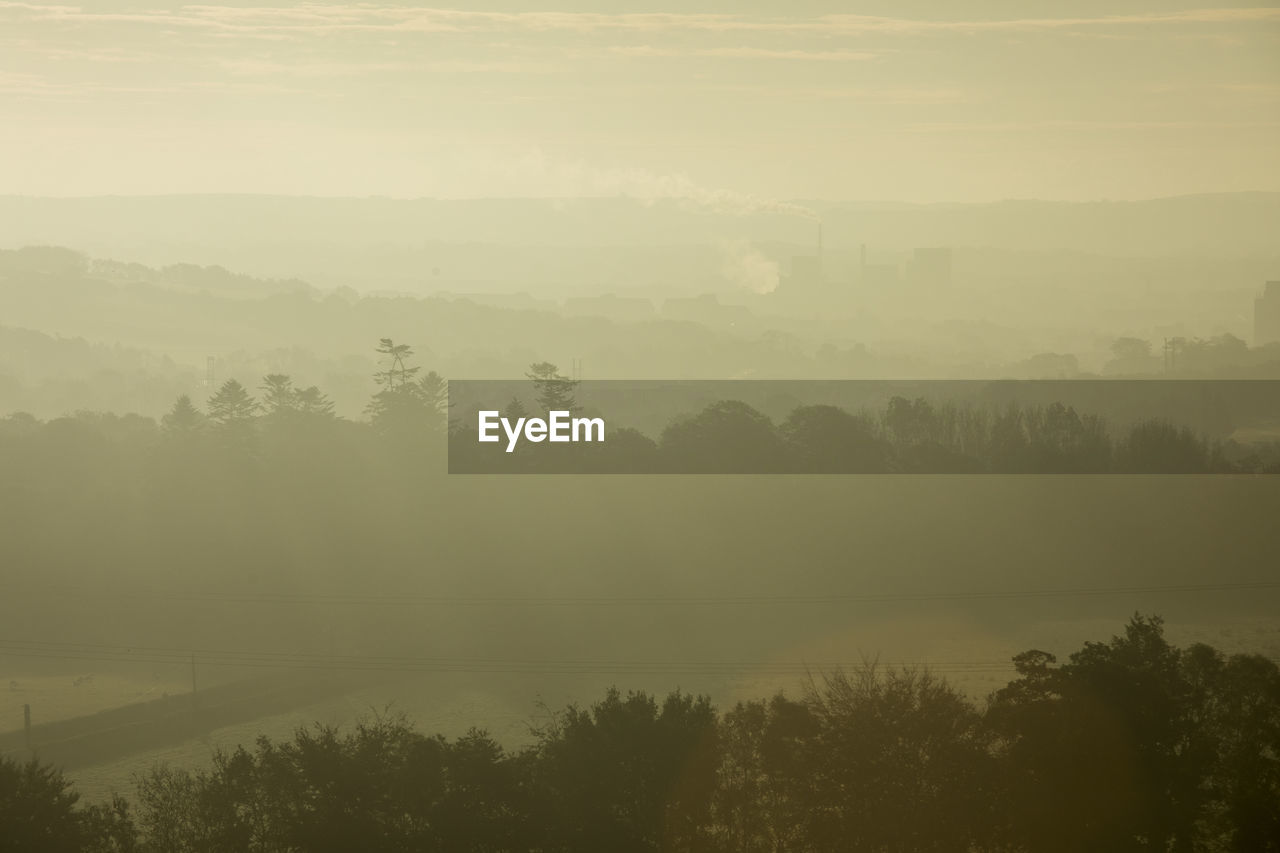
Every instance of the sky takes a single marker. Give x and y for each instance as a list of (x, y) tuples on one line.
[(913, 101)]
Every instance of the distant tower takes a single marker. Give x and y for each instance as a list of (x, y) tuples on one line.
[(208, 372)]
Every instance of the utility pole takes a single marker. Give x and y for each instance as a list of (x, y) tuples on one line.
[(195, 700), (26, 724)]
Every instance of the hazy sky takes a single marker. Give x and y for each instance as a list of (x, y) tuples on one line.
[(941, 101)]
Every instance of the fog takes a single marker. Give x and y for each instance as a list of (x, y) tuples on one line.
[(965, 329)]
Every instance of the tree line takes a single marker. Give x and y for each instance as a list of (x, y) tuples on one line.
[(1131, 744), (906, 437), (408, 414)]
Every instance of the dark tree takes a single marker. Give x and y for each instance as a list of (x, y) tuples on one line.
[(232, 407), (829, 439), (183, 418), (900, 761), (766, 794), (403, 408), (39, 813), (312, 402), (553, 391), (724, 438), (382, 788), (279, 397), (626, 775), (397, 371)]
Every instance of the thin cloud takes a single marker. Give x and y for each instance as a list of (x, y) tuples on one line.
[(316, 18)]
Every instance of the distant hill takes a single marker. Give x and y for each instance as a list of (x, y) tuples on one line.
[(1221, 224), (565, 247)]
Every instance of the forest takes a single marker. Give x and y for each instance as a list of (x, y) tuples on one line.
[(410, 413), (1131, 744)]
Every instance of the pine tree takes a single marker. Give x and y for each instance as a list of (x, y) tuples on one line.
[(554, 391), (183, 418), (312, 402), (279, 397), (395, 358), (232, 405)]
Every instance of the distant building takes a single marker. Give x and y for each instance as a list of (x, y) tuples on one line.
[(1266, 315)]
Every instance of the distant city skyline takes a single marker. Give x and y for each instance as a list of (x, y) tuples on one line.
[(741, 103)]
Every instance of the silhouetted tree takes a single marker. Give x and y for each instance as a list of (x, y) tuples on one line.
[(183, 418), (625, 451), (829, 439), (231, 407), (1059, 441), (626, 775), (766, 793), (380, 788), (231, 413), (405, 408), (395, 358), (900, 761), (911, 421), (312, 402), (724, 438), (435, 393), (1236, 700), (39, 813), (1109, 751), (514, 410), (279, 397), (1159, 447), (553, 391)]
